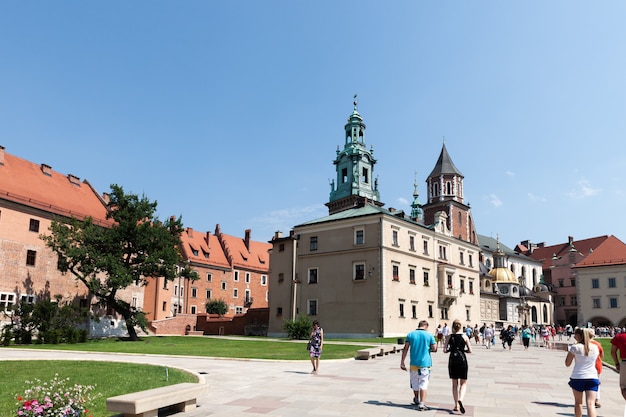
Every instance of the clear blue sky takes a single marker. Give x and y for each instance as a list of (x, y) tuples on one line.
[(230, 112)]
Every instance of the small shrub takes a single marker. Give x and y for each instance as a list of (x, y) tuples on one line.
[(300, 328)]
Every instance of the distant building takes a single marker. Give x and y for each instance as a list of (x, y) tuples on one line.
[(511, 288), (600, 283), (558, 272), (367, 271)]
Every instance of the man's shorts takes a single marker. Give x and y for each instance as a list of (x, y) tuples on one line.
[(419, 378), (582, 385)]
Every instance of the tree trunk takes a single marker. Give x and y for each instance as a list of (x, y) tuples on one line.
[(132, 333)]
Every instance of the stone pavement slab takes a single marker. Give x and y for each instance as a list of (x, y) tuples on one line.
[(514, 383)]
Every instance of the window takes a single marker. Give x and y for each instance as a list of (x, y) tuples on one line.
[(359, 272), (442, 252), (412, 243), (236, 276), (279, 311), (561, 301), (223, 285), (401, 309), (313, 276), (344, 175), (467, 314), (488, 263), (430, 311), (194, 293), (413, 311), (263, 279), (612, 283), (164, 305), (425, 247), (613, 302), (412, 275), (239, 310), (462, 285), (364, 175), (194, 252), (394, 238), (31, 257), (248, 297), (281, 247), (426, 278), (247, 277), (596, 303), (470, 260), (235, 293), (312, 307), (359, 237), (396, 272), (208, 294), (595, 283), (471, 287), (209, 277), (27, 298), (573, 301), (560, 283), (461, 259), (281, 277), (34, 226), (444, 313), (193, 310), (572, 282), (7, 300), (313, 242), (449, 280)]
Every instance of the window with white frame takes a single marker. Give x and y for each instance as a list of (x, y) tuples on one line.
[(359, 236), (235, 293), (359, 271), (312, 307), (394, 238), (208, 294), (313, 243), (425, 245), (395, 272), (193, 310), (442, 252), (7, 300), (401, 305), (27, 298), (247, 277), (312, 276), (223, 285), (414, 310), (209, 277), (194, 292), (412, 243), (411, 275), (239, 310), (263, 279), (236, 276)]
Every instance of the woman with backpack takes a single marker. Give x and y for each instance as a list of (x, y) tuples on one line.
[(457, 345)]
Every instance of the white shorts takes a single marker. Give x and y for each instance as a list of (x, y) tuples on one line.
[(420, 379)]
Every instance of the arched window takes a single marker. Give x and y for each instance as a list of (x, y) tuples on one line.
[(448, 188), (545, 314), (533, 314)]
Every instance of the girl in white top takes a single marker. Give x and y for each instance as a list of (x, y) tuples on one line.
[(584, 378)]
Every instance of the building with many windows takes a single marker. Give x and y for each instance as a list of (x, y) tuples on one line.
[(601, 285), (367, 271)]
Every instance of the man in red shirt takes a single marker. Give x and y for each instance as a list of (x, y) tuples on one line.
[(619, 343)]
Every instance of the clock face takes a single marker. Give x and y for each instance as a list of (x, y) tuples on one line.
[(504, 290)]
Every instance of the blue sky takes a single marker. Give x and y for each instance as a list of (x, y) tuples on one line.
[(230, 112)]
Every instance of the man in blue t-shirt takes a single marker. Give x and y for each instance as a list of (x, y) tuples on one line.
[(420, 343)]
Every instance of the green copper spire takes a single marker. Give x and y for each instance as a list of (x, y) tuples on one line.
[(355, 166), (416, 208)]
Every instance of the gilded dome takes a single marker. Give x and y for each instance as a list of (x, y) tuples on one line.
[(502, 275)]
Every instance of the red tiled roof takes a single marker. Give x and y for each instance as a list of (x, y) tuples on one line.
[(40, 187), (209, 255), (257, 258), (610, 252), (585, 247)]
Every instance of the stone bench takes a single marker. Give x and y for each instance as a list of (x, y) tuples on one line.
[(378, 351), (181, 397)]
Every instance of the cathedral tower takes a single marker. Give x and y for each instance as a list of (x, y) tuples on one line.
[(354, 185)]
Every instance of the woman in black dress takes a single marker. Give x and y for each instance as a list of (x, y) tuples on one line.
[(457, 345)]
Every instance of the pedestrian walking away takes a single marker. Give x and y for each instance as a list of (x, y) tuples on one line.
[(618, 343), (598, 361), (458, 345), (316, 344), (584, 377), (419, 344)]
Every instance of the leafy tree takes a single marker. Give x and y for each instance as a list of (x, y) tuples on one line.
[(216, 307), (135, 248)]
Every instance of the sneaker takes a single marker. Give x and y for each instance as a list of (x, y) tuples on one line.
[(422, 407), (598, 405), (416, 401)]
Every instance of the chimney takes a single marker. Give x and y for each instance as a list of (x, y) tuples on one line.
[(208, 240), (247, 239), (278, 234), (106, 197), (1, 155), (46, 169), (73, 179), (570, 240), (190, 232)]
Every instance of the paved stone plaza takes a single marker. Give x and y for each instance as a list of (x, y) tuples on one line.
[(501, 383)]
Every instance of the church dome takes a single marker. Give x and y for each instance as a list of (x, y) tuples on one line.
[(524, 291), (502, 275)]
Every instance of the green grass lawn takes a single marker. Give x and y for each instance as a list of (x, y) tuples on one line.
[(109, 378), (210, 346)]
